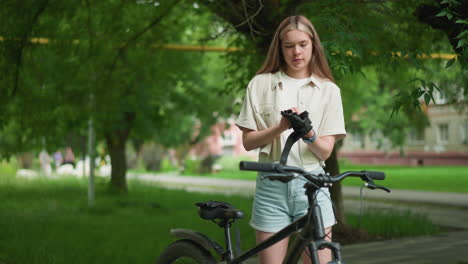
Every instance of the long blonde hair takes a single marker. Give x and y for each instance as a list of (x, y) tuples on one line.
[(274, 61)]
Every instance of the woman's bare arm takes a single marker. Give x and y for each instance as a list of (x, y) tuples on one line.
[(322, 147), (252, 139)]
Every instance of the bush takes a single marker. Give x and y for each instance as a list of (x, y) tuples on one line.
[(152, 155), (191, 167), (131, 157), (8, 169), (166, 166), (206, 165), (230, 163)]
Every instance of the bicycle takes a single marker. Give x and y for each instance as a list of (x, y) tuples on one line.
[(197, 247)]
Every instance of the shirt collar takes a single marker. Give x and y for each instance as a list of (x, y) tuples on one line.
[(277, 79)]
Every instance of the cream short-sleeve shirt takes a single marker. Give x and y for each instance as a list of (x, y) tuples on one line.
[(264, 100)]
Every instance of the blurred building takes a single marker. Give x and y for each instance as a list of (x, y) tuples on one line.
[(444, 142), (225, 140)]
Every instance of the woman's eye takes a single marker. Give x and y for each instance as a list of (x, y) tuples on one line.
[(288, 47)]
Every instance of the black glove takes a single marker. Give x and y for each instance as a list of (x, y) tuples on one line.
[(301, 124)]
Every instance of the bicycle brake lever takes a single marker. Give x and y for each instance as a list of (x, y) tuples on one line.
[(371, 185)]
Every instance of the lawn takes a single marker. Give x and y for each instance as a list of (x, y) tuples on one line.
[(45, 221), (427, 178), (48, 221)]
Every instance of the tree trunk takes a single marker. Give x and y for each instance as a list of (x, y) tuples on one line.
[(336, 192), (116, 146), (116, 142), (206, 166), (25, 160)]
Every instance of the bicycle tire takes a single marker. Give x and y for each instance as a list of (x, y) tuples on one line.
[(185, 251)]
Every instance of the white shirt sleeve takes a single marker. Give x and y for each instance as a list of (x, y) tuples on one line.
[(333, 119), (246, 118)]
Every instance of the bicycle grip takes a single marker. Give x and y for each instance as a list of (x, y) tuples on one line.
[(257, 166), (376, 175)]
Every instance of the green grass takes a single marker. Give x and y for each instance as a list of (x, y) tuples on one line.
[(48, 221), (45, 221), (427, 178), (392, 223)]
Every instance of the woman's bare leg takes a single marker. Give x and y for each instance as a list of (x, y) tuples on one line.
[(274, 254)]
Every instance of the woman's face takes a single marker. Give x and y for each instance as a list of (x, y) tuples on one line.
[(297, 51)]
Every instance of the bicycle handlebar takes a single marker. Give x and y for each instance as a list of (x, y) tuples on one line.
[(259, 166), (287, 173)]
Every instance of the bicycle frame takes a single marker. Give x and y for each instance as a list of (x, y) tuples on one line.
[(309, 228), (308, 236)]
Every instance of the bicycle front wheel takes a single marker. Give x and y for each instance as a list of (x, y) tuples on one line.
[(186, 252)]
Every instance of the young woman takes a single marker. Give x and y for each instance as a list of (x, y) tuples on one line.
[(295, 76)]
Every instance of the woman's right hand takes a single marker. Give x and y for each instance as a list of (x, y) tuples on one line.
[(253, 139), (284, 124)]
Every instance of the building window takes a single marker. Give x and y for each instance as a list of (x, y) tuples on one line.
[(440, 97), (443, 134), (416, 135), (227, 139), (464, 132), (377, 139), (376, 135), (358, 140)]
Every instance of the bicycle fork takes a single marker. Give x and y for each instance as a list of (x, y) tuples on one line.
[(313, 236)]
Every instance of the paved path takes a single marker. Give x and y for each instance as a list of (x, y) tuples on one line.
[(447, 209), (247, 187), (447, 248)]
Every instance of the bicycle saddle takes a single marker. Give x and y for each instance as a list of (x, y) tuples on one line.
[(218, 210)]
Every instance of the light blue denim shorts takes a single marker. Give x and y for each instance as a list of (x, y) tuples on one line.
[(277, 204)]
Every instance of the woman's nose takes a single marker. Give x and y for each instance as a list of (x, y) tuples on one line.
[(297, 49)]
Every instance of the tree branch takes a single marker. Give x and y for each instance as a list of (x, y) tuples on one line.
[(427, 14), (23, 43), (123, 49)]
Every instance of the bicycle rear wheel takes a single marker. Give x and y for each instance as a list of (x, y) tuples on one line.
[(185, 251)]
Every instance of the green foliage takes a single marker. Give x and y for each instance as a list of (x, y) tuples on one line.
[(373, 33), (411, 98), (8, 169), (240, 67), (115, 71), (166, 166), (191, 167), (385, 37), (96, 65), (452, 10)]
